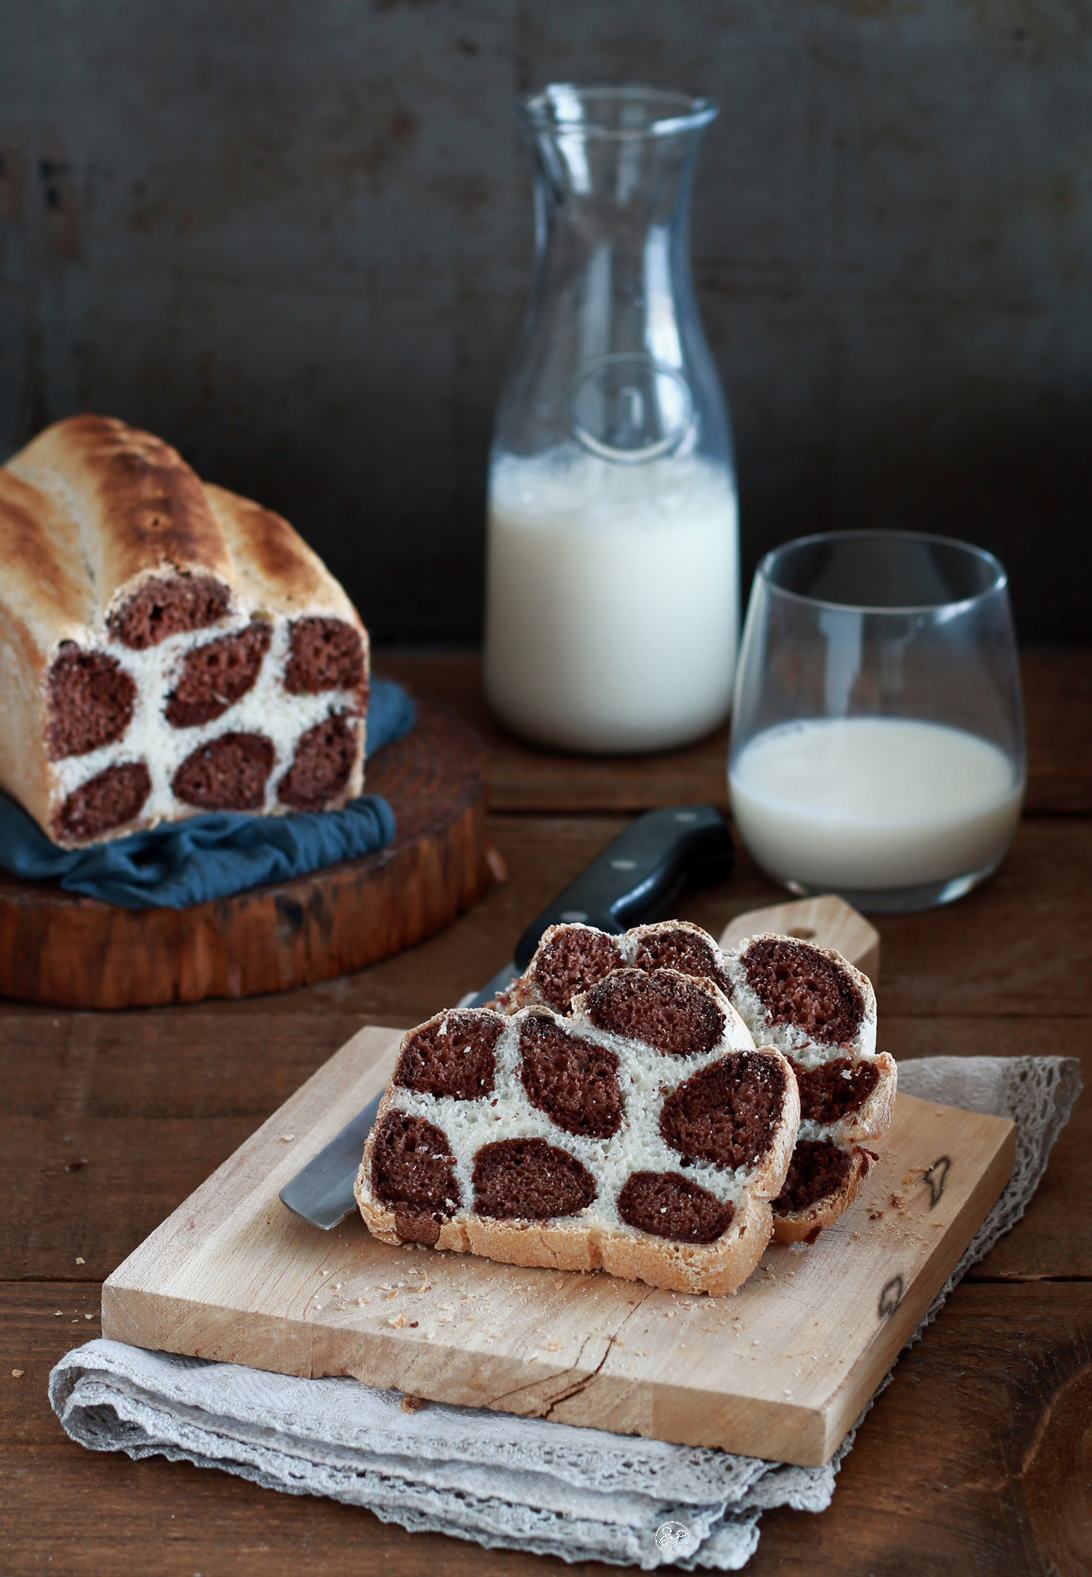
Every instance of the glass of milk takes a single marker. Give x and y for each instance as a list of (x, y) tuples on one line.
[(612, 564), (877, 732)]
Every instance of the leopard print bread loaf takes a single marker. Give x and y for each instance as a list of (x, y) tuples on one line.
[(809, 1002), (166, 647), (642, 1134)]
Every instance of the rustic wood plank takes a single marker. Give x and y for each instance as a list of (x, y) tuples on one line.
[(972, 1461), (975, 1460), (527, 778), (1020, 944), (1058, 704), (110, 1120)]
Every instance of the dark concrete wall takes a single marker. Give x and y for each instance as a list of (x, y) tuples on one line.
[(293, 237)]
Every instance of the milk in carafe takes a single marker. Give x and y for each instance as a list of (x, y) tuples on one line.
[(612, 599)]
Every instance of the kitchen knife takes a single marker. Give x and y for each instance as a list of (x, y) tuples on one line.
[(635, 878)]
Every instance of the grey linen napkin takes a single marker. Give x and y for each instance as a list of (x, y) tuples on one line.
[(507, 1482)]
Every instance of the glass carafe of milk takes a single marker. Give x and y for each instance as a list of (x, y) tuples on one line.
[(612, 585)]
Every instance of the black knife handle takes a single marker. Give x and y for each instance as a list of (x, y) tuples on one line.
[(639, 874)]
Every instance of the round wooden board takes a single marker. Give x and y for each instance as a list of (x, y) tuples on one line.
[(63, 950)]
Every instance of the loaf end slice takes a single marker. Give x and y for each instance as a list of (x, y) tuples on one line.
[(644, 1135)]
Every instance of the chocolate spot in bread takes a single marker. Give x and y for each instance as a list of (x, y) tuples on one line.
[(574, 959), (108, 800), (169, 606), (801, 986), (216, 675), (817, 1169), (682, 950), (530, 1180), (91, 701), (413, 1171), (320, 769), (726, 1113), (229, 773), (668, 1205), (456, 1057), (668, 1010), (835, 1089), (574, 1081), (417, 1228), (323, 654)]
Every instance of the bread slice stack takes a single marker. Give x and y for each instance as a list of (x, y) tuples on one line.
[(807, 1001), (166, 647), (640, 1132)]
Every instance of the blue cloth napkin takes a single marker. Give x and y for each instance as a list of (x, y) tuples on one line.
[(213, 856)]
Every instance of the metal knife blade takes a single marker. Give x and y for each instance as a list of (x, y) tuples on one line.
[(322, 1192), (633, 880)]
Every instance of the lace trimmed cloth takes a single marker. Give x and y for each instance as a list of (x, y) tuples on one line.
[(508, 1482)]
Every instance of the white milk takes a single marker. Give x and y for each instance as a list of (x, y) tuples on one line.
[(871, 802), (612, 599)]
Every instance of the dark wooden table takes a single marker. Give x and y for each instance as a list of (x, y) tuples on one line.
[(977, 1459)]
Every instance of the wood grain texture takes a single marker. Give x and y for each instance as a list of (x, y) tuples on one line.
[(1018, 945), (974, 1460), (780, 1370), (524, 777), (61, 949)]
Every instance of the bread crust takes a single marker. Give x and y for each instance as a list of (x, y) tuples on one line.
[(804, 1226), (139, 509), (273, 568), (718, 1268), (874, 1117)]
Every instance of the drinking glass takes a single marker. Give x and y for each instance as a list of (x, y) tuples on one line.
[(877, 745)]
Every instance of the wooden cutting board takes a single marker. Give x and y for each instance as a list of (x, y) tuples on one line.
[(781, 1370), (68, 951)]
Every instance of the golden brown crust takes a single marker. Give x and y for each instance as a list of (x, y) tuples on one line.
[(277, 571), (141, 510), (802, 1226), (43, 571), (716, 1268), (876, 1113)]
